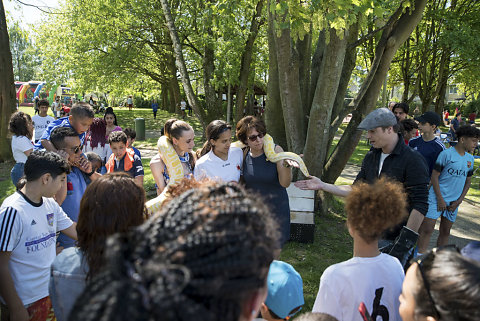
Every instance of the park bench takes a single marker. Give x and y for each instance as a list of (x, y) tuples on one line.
[(302, 225)]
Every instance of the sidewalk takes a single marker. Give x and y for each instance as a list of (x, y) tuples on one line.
[(466, 227)]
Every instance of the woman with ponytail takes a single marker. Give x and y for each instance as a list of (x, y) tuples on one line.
[(204, 257), (181, 135), (217, 160)]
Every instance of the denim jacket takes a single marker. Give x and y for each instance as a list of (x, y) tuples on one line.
[(67, 281)]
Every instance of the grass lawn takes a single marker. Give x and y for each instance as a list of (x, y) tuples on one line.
[(332, 241)]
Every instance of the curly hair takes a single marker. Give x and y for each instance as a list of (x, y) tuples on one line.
[(111, 204), (117, 137), (468, 131), (200, 258), (245, 124), (374, 208), (454, 282), (18, 124)]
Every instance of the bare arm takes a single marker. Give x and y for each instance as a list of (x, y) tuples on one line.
[(8, 292), (284, 173), (48, 145), (415, 220), (157, 167), (441, 205), (139, 181), (315, 183), (71, 231), (27, 152)]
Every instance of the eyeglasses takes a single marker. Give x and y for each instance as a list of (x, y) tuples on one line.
[(75, 149), (254, 137), (428, 257)]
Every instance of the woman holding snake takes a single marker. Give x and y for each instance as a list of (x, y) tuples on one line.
[(266, 178), (180, 134)]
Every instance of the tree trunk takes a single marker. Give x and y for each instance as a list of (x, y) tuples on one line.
[(7, 87), (304, 49), (392, 38), (177, 97), (323, 101), (164, 95), (246, 61), (273, 108), (290, 96), (180, 62)]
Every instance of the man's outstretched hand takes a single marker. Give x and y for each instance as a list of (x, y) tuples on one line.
[(312, 183)]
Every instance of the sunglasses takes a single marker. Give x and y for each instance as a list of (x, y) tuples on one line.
[(75, 149), (429, 257), (254, 137)]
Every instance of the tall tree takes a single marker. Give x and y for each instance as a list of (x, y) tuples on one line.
[(7, 87)]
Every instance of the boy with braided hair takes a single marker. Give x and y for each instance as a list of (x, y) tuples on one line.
[(204, 257)]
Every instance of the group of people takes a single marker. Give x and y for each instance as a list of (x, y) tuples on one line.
[(210, 252)]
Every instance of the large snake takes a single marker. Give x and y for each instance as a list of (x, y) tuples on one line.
[(272, 156), (175, 168), (175, 171)]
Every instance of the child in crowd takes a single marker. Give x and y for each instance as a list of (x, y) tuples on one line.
[(30, 219), (217, 160), (401, 111), (111, 204), (131, 135), (285, 292), (80, 119), (451, 178), (42, 120), (370, 276), (21, 126), (429, 145), (441, 285), (204, 257), (409, 129), (96, 162), (123, 158)]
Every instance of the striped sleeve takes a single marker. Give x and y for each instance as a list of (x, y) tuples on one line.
[(9, 229)]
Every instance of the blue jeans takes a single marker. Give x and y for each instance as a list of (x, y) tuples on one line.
[(16, 173)]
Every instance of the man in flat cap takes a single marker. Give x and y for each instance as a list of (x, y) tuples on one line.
[(389, 156)]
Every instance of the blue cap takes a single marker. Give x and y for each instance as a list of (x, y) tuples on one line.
[(285, 289)]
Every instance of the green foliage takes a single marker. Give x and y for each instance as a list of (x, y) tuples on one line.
[(472, 107), (25, 53)]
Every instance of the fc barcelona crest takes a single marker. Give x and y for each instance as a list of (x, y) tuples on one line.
[(469, 163)]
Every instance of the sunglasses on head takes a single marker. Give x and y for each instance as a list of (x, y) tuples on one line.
[(429, 257), (254, 137)]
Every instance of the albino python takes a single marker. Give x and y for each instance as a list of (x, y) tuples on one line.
[(175, 168), (269, 149), (175, 171)]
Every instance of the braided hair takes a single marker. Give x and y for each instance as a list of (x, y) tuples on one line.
[(200, 258), (97, 132)]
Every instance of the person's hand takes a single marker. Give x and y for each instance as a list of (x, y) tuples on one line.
[(59, 248), (84, 165), (19, 314), (290, 163), (441, 205), (453, 206), (313, 183)]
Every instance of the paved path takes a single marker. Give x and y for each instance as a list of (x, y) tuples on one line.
[(466, 227)]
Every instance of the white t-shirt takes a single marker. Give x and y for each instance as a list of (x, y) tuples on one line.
[(212, 166), (28, 232), (376, 281), (20, 144), (41, 123), (383, 156), (183, 105)]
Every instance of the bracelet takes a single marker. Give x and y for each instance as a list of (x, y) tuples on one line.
[(91, 173)]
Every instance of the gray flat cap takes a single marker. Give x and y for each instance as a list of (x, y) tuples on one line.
[(381, 117)]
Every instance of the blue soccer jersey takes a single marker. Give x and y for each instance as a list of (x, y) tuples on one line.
[(61, 122), (454, 170), (429, 150)]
